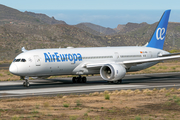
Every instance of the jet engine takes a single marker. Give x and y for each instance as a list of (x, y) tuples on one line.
[(112, 72)]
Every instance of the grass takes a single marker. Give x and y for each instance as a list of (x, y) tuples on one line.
[(46, 104), (124, 104), (35, 112)]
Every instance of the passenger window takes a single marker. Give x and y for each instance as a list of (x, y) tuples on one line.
[(23, 60), (14, 60)]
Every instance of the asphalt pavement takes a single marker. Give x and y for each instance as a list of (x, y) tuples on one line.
[(94, 83)]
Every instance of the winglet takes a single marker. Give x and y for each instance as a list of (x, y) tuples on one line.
[(158, 37), (23, 49)]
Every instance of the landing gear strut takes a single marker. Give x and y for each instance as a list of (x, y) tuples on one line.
[(26, 82), (79, 79)]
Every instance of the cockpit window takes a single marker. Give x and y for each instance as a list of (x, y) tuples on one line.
[(23, 60), (19, 60)]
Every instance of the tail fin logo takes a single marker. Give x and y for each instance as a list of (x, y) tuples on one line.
[(160, 33)]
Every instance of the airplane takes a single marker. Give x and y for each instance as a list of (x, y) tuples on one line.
[(111, 63)]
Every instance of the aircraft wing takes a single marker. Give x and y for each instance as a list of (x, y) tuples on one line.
[(150, 60), (129, 63), (172, 54)]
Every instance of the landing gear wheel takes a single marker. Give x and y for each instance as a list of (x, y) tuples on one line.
[(84, 79), (26, 83), (120, 81), (79, 79), (74, 79)]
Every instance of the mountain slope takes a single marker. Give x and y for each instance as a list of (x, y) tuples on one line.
[(8, 15), (99, 29), (45, 18)]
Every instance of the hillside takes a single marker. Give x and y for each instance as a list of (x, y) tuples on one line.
[(96, 29), (14, 37), (8, 15), (13, 16), (44, 18)]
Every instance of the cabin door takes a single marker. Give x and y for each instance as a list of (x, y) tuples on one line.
[(37, 60), (116, 56)]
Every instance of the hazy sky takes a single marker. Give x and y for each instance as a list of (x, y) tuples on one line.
[(100, 12), (92, 4)]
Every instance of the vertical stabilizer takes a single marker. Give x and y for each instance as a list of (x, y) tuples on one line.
[(158, 37)]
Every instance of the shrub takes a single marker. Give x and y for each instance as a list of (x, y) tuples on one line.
[(137, 118), (78, 103), (85, 114), (107, 97), (66, 105)]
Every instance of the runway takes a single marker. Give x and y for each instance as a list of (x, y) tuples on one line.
[(94, 83)]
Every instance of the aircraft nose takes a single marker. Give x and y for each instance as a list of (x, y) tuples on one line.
[(13, 69)]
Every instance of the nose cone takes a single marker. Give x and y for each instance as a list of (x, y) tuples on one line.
[(13, 69)]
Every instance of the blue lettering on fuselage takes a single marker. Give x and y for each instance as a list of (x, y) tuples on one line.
[(56, 57)]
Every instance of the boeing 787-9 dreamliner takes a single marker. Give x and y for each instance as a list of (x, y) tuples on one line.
[(111, 63)]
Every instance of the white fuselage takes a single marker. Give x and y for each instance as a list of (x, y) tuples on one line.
[(63, 61)]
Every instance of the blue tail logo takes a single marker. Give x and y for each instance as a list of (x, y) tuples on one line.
[(160, 33), (158, 37)]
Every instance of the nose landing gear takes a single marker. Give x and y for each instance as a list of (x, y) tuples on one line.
[(79, 79), (26, 82)]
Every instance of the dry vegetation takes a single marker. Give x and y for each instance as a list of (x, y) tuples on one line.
[(125, 104)]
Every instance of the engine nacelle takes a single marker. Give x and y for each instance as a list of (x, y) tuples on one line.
[(112, 72)]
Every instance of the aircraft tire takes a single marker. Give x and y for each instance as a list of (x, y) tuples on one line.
[(27, 84), (24, 84), (79, 80), (84, 79), (74, 79), (120, 81)]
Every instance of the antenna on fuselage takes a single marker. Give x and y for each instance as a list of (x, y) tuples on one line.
[(23, 49)]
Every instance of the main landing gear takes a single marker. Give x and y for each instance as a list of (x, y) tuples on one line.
[(79, 79), (26, 82)]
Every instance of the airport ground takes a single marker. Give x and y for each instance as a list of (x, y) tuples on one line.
[(115, 105), (144, 104)]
